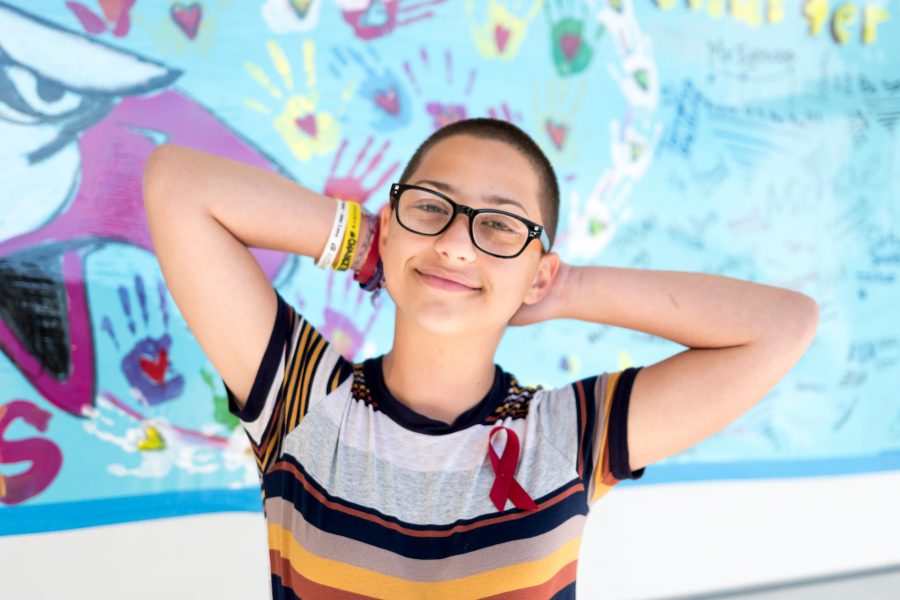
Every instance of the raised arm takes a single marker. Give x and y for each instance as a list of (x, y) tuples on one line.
[(204, 211), (742, 338)]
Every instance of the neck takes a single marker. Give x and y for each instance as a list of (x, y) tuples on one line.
[(438, 376)]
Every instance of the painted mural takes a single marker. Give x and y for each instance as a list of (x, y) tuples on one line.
[(751, 138)]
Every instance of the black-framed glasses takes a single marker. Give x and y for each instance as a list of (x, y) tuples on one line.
[(496, 232)]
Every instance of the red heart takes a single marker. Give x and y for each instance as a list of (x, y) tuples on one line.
[(388, 101), (501, 35), (570, 43), (187, 17), (307, 124), (557, 133), (156, 370)]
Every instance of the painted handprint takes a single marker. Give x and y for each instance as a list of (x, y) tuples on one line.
[(372, 19), (387, 98), (572, 35), (147, 364), (452, 106), (305, 130), (555, 106), (637, 78), (502, 33)]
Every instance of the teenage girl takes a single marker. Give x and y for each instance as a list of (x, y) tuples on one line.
[(430, 471)]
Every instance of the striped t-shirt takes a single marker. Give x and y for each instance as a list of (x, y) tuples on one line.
[(365, 498)]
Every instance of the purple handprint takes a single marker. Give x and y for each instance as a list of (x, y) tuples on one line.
[(147, 366)]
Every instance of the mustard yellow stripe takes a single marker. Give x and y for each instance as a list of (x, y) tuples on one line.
[(601, 488), (367, 582), (299, 361), (335, 381), (299, 367)]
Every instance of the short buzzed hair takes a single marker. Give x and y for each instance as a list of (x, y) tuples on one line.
[(501, 131)]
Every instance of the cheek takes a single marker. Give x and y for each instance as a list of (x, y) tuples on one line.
[(509, 291)]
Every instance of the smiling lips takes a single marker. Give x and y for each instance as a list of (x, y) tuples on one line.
[(445, 280)]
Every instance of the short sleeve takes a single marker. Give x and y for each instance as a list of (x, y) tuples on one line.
[(298, 367), (602, 408)]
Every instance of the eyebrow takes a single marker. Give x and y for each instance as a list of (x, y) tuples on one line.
[(492, 198)]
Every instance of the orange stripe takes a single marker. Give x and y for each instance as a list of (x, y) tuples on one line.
[(603, 479)]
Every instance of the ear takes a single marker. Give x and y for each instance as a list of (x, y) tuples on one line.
[(543, 278), (384, 216)]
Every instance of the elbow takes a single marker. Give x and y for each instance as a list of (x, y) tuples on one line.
[(157, 173), (803, 319)]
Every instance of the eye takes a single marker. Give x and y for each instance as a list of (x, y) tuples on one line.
[(498, 225), (31, 95), (431, 207)]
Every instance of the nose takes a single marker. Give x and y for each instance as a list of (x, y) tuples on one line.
[(455, 242)]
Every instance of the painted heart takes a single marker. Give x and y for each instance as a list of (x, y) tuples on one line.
[(308, 125), (388, 101), (375, 16), (570, 44), (187, 17), (501, 36), (642, 78), (156, 370), (153, 440), (300, 7), (557, 133)]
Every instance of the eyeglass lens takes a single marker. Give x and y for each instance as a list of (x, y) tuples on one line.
[(428, 213)]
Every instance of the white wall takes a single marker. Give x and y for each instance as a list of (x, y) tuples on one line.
[(640, 542)]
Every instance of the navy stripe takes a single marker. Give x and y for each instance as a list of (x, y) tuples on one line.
[(268, 367), (280, 592), (589, 418), (618, 428), (282, 484)]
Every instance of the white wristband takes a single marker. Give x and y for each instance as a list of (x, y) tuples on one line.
[(335, 237)]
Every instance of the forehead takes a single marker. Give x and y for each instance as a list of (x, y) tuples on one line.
[(478, 168)]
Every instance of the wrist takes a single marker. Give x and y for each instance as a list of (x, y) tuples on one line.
[(366, 240), (568, 281)]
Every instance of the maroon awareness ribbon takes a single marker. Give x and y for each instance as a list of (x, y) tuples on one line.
[(505, 486)]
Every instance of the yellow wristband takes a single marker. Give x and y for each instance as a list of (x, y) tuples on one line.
[(351, 238)]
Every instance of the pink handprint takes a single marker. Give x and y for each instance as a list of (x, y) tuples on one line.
[(350, 186), (380, 17)]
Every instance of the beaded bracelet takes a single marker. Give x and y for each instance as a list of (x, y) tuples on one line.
[(334, 237), (370, 249)]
